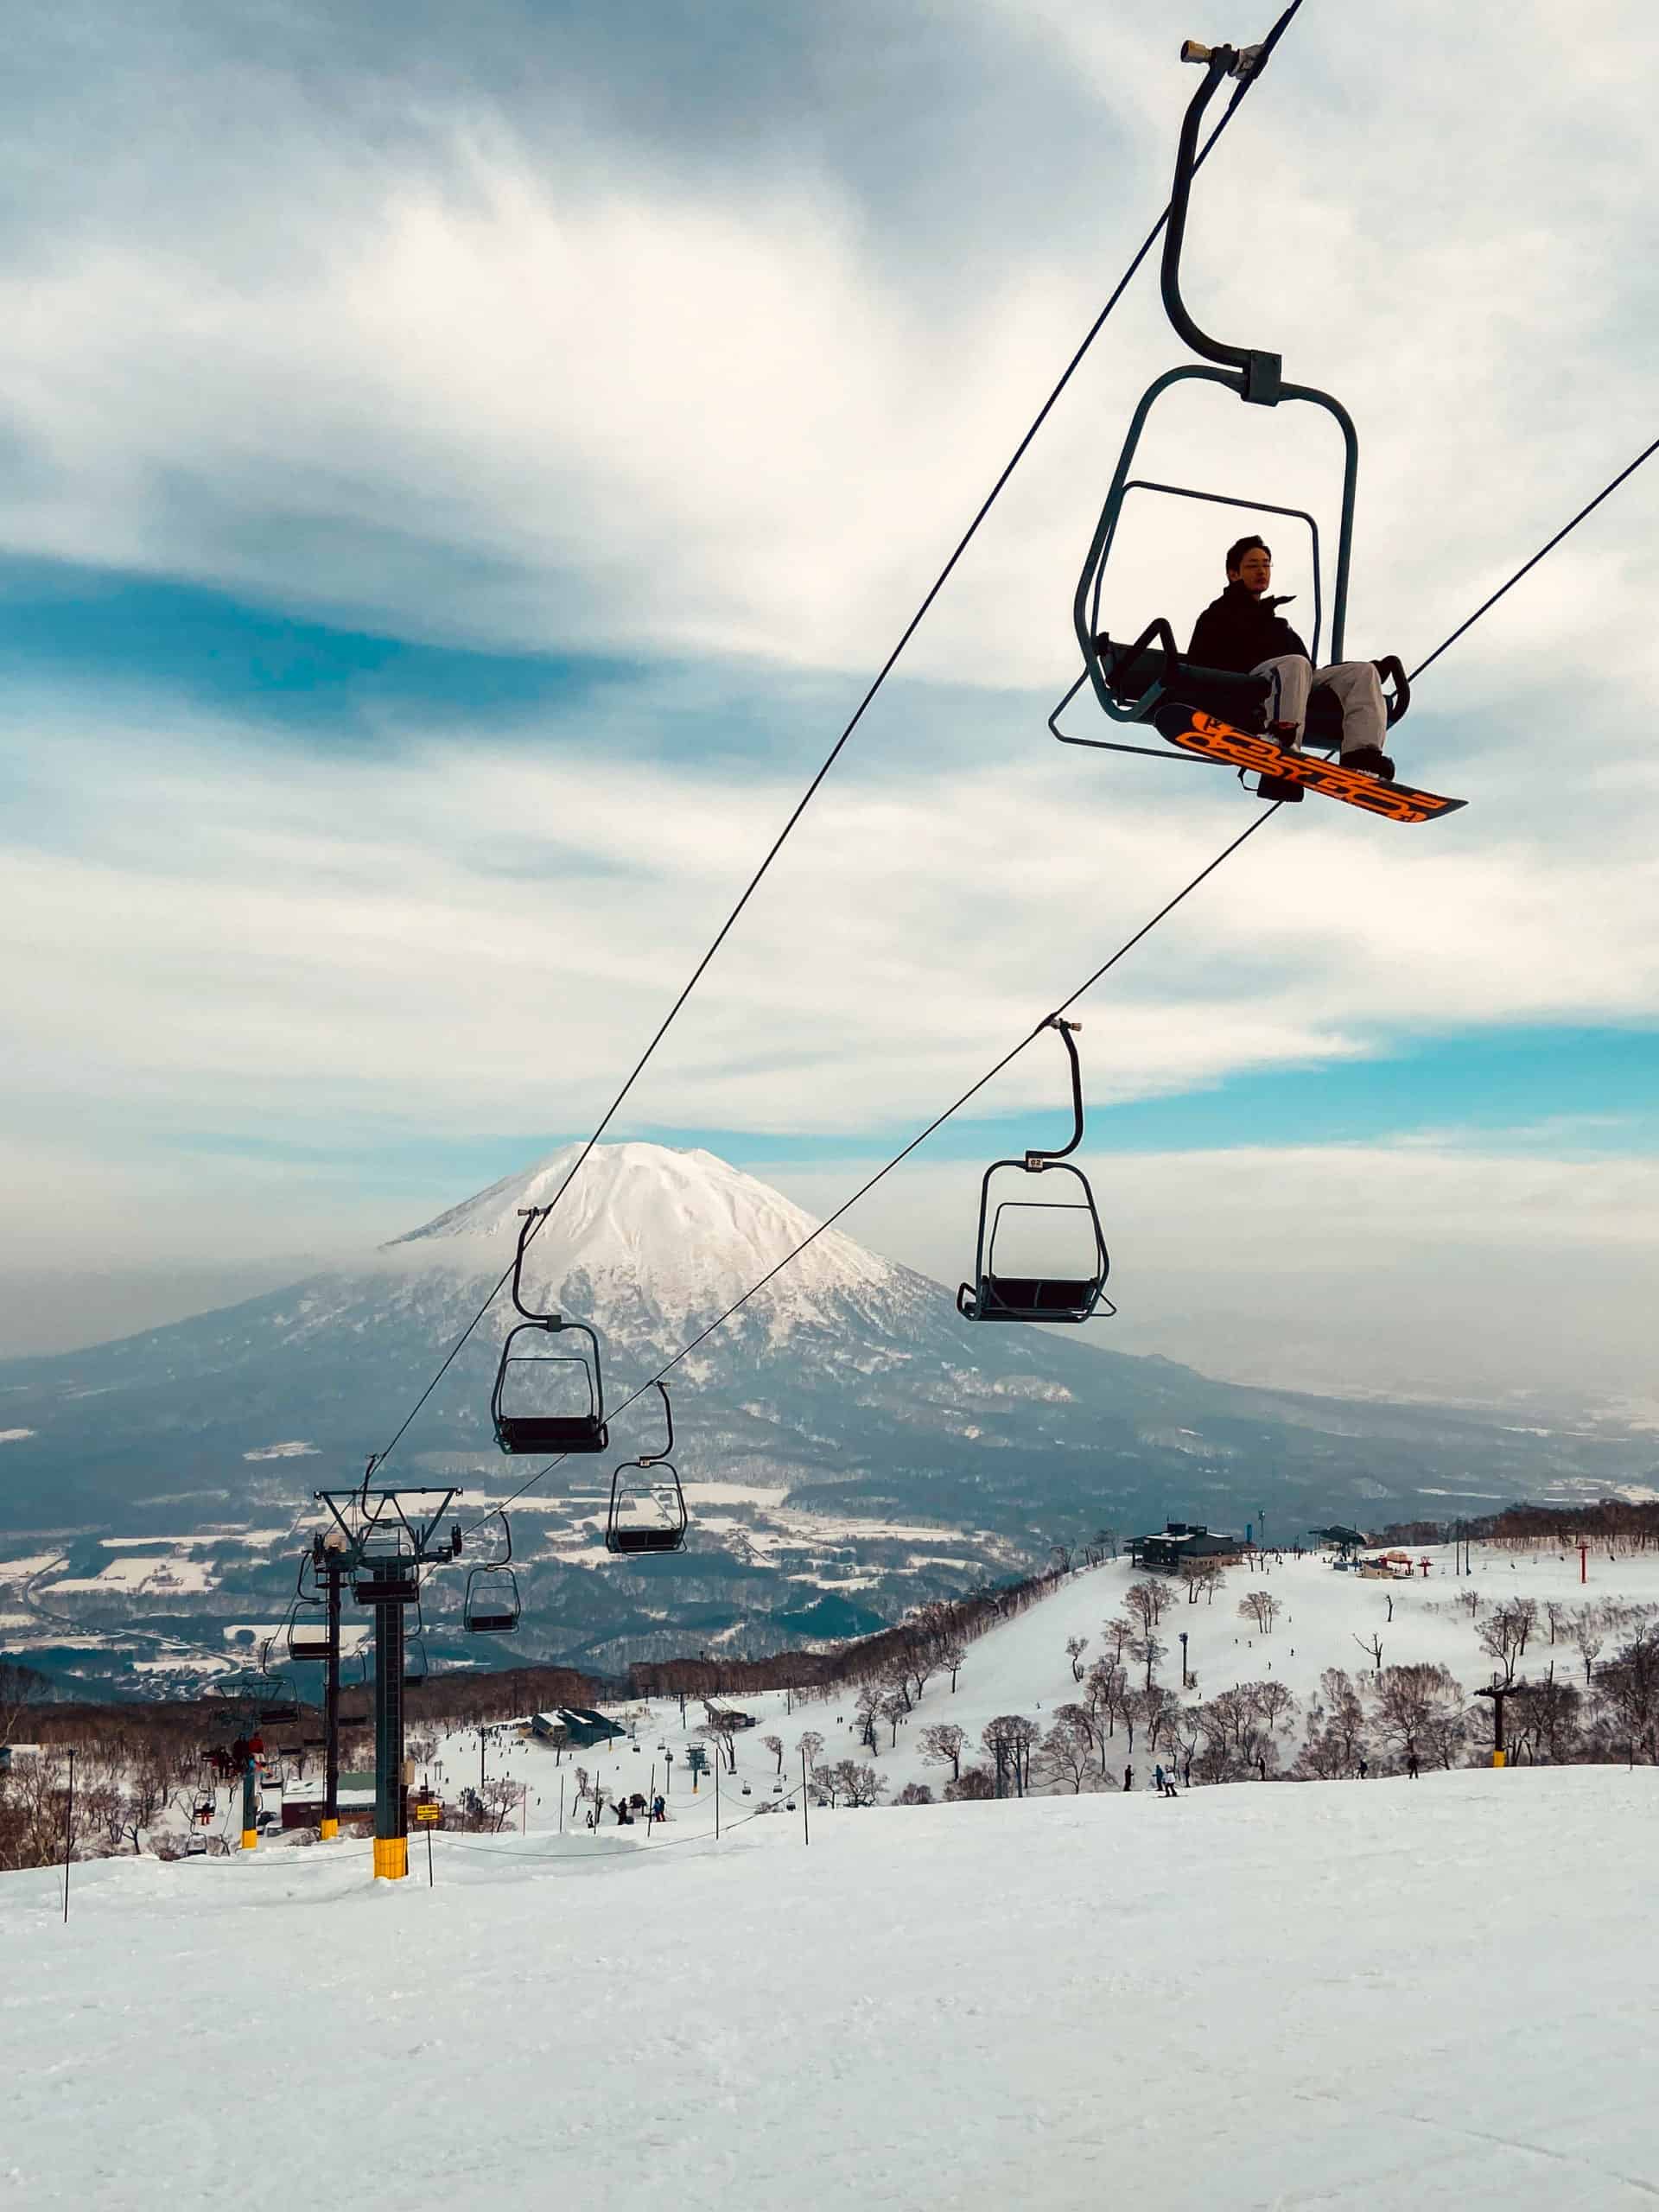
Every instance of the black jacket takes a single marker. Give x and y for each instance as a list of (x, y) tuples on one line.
[(1239, 631)]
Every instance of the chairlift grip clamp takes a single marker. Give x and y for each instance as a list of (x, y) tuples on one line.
[(1238, 61)]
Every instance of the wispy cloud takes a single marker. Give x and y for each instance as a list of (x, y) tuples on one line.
[(631, 380)]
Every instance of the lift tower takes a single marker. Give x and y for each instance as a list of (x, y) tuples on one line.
[(390, 1536)]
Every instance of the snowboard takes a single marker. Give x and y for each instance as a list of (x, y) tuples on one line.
[(1237, 748)]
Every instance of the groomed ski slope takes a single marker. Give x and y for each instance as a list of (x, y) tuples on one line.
[(1380, 1994)]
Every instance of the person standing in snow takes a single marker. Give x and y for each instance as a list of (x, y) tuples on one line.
[(1128, 1777), (1411, 1763), (1364, 1769)]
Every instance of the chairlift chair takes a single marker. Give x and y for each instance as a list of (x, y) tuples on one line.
[(526, 1375), (1147, 680), (306, 1631), (490, 1604), (647, 1512), (308, 1642), (1069, 1296)]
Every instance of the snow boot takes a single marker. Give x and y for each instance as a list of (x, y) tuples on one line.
[(1372, 761)]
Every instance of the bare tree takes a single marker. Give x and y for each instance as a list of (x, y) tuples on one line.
[(941, 1743), (893, 1708), (1262, 1607), (810, 1746), (1148, 1652), (858, 1784), (951, 1658), (1372, 1646), (1629, 1682), (1503, 1637), (720, 1729), (1075, 1648), (1589, 1634), (1147, 1602), (973, 1783), (914, 1793), (1408, 1699), (775, 1746), (1273, 1702), (1066, 1753)]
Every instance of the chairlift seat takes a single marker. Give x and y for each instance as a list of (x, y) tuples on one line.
[(669, 1539), (1037, 1294), (1231, 697), (491, 1624), (306, 1646), (551, 1432)]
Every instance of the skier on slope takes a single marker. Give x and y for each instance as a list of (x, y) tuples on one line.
[(1244, 632)]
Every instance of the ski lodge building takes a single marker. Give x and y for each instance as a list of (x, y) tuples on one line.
[(1182, 1540), (583, 1727)]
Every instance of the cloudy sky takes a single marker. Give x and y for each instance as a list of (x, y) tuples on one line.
[(460, 472)]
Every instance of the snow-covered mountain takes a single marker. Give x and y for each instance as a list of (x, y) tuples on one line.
[(848, 1444), (660, 1241)]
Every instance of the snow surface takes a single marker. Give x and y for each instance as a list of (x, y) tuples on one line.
[(1379, 1995), (1382, 1994)]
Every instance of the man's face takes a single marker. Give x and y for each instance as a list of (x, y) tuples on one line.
[(1254, 570)]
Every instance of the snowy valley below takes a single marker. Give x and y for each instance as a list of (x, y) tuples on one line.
[(850, 1448)]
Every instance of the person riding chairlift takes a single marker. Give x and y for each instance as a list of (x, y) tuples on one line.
[(1244, 632)]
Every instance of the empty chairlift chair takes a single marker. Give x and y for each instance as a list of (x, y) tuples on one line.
[(490, 1605), (647, 1511), (307, 1640), (307, 1635), (547, 1401), (1047, 1271)]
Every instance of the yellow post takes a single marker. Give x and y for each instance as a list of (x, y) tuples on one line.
[(328, 1830), (250, 1839), (1499, 1759), (390, 1858)]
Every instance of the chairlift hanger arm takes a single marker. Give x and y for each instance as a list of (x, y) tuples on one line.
[(1035, 1159), (649, 1459), (1259, 372), (532, 1218)]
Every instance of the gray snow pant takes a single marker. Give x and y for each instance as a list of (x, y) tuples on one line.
[(1358, 690)]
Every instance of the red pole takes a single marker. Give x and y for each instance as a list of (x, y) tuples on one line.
[(1584, 1563)]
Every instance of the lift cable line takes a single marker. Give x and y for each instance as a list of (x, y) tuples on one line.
[(919, 1139), (1105, 968), (1260, 59), (1567, 530)]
